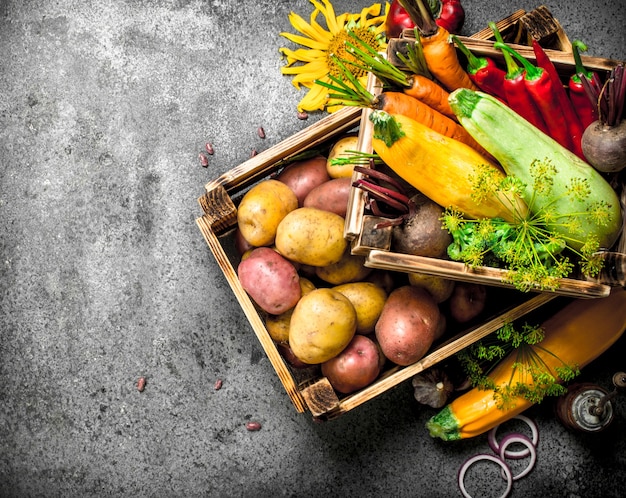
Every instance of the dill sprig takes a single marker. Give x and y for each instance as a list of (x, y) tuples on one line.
[(530, 247), (531, 378)]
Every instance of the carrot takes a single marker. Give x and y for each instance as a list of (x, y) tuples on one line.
[(401, 103), (443, 61), (438, 50), (431, 93)]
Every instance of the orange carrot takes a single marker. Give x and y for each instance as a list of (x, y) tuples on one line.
[(431, 93), (438, 50), (443, 62), (401, 103)]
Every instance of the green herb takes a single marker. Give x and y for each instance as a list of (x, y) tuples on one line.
[(535, 254), (530, 377)]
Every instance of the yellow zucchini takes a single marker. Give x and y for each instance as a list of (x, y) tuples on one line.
[(577, 334), (440, 167)]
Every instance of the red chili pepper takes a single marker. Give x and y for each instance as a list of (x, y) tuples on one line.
[(449, 14), (483, 71), (585, 110), (575, 125), (541, 89), (516, 93)]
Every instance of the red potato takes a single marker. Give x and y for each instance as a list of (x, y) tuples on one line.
[(303, 176), (331, 196), (271, 281), (408, 324), (357, 366), (468, 300)]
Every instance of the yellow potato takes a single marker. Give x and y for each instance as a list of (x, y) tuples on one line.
[(368, 300), (261, 210), (278, 325), (339, 150), (349, 268), (440, 288), (311, 236), (322, 324)]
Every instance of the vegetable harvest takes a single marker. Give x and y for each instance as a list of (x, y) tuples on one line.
[(583, 206), (578, 333), (439, 167)]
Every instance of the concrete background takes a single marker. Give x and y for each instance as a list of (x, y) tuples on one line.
[(104, 276)]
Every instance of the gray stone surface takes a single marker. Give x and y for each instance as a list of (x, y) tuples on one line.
[(104, 276)]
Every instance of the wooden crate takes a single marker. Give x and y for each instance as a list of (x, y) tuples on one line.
[(375, 244), (307, 389)]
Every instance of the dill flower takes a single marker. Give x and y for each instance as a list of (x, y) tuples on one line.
[(322, 45)]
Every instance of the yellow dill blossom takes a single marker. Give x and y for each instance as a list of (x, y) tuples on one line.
[(315, 60)]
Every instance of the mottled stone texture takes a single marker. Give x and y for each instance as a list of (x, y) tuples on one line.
[(104, 276)]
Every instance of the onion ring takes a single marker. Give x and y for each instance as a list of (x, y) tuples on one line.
[(484, 456), (514, 455), (525, 440)]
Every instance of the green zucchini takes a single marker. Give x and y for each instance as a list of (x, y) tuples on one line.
[(519, 147)]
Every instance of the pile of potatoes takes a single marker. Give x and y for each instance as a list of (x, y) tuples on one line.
[(321, 305)]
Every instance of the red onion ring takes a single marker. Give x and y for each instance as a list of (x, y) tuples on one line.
[(525, 440), (514, 455), (484, 456)]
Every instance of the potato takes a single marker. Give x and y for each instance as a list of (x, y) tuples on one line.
[(407, 325), (311, 236), (322, 324), (303, 176), (331, 196), (271, 281), (439, 287), (349, 268), (368, 300), (278, 325), (339, 150), (262, 208)]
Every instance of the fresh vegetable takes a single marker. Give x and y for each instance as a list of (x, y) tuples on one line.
[(303, 176), (440, 288), (604, 141), (542, 90), (506, 472), (262, 208), (336, 164), (439, 53), (515, 91), (520, 439), (311, 236), (483, 71), (448, 13), (467, 301), (322, 324), (439, 167), (406, 328), (585, 109), (278, 325), (350, 268), (514, 454), (432, 387), (575, 127), (576, 201), (418, 84), (271, 281), (354, 368), (399, 103), (368, 300), (566, 339), (330, 196)]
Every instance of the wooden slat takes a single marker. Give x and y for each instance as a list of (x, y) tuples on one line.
[(482, 274), (260, 165)]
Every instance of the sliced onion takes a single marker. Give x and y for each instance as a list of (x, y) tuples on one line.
[(514, 455), (525, 440), (484, 456)]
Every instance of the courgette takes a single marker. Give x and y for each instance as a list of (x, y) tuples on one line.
[(576, 334), (522, 150)]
